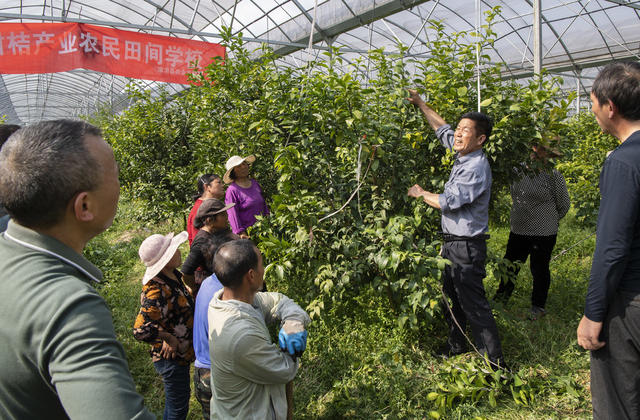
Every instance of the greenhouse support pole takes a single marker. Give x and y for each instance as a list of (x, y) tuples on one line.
[(478, 16), (193, 16), (313, 26), (537, 38), (578, 92)]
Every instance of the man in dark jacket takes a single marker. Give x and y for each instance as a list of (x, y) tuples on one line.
[(610, 327)]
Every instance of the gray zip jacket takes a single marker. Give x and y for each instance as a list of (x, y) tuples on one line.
[(59, 356), (248, 371)]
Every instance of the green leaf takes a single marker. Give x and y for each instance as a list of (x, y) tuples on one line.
[(517, 381), (486, 102), (382, 261), (492, 399)]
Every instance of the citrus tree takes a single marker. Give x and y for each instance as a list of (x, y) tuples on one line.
[(586, 149), (337, 147)]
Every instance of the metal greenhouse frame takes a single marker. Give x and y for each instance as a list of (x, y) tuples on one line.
[(571, 38)]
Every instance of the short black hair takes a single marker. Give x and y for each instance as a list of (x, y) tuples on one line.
[(199, 222), (233, 260), (620, 83), (6, 130), (213, 242), (482, 122), (42, 166)]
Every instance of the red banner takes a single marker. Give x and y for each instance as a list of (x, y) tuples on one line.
[(57, 47)]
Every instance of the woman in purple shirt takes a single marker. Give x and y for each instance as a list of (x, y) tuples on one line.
[(245, 192)]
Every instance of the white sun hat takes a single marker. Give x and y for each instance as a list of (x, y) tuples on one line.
[(157, 250), (232, 163)]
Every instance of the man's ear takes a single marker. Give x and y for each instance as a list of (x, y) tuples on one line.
[(252, 274), (81, 207), (247, 278), (612, 109), (482, 139)]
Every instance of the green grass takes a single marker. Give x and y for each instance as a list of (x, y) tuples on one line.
[(360, 365)]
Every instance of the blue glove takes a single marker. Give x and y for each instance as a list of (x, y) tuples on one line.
[(293, 338)]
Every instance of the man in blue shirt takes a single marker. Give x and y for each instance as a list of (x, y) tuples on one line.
[(610, 327), (210, 285), (465, 222), (202, 368)]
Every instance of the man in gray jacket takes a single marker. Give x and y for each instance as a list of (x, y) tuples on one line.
[(248, 371), (59, 357)]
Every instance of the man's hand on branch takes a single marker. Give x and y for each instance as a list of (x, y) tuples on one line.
[(414, 97), (434, 119), (430, 198), (416, 191)]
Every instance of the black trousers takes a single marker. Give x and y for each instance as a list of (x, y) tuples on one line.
[(462, 283), (539, 248), (615, 368)]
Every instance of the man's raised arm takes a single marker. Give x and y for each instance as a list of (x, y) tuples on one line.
[(434, 119)]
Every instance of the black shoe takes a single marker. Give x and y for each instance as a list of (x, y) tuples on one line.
[(499, 364), (536, 313), (504, 292), (446, 351)]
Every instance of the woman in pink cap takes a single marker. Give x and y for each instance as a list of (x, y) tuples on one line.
[(245, 192), (165, 319)]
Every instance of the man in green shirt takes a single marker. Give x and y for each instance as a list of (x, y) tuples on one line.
[(59, 357), (249, 372)]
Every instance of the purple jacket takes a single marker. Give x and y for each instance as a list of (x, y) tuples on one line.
[(249, 203)]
